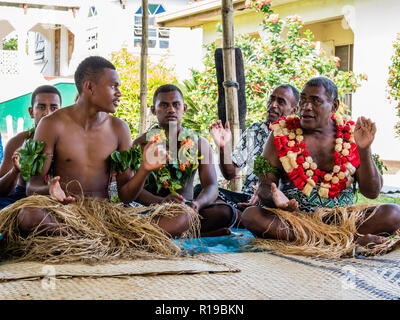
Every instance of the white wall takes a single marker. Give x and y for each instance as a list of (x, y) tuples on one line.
[(374, 24), (185, 45), (375, 29)]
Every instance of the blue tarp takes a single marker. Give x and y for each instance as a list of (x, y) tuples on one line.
[(238, 241)]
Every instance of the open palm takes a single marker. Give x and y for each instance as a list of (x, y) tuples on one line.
[(222, 136), (154, 156), (281, 201), (57, 193), (364, 133)]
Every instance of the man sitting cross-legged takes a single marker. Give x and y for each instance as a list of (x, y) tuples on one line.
[(282, 101), (313, 160), (78, 141), (187, 150)]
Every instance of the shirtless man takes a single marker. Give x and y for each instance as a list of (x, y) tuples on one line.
[(318, 101), (79, 141), (216, 218), (45, 100)]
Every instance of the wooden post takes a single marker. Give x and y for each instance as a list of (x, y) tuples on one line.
[(230, 84), (143, 67)]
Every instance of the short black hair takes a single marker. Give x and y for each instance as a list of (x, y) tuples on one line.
[(44, 89), (295, 93), (89, 69), (166, 88), (330, 87)]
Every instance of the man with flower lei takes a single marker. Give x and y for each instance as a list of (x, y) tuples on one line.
[(45, 100), (174, 181), (315, 158)]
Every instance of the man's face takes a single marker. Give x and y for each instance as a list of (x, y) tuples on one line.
[(315, 107), (105, 91), (169, 107), (279, 104), (44, 104)]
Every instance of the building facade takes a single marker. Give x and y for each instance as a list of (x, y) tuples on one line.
[(53, 37), (360, 32)]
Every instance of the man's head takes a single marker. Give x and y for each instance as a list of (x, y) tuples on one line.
[(97, 79), (45, 100), (168, 105), (318, 100), (282, 101)]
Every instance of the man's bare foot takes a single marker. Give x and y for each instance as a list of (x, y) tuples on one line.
[(217, 233), (370, 240)]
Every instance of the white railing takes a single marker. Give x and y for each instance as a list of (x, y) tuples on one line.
[(9, 62), (10, 129)]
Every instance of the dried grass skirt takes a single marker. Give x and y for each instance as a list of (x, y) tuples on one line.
[(328, 232), (93, 230)]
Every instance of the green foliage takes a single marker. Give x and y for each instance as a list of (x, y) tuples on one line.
[(11, 44), (382, 198), (201, 95), (381, 168), (394, 80), (121, 161), (128, 68), (379, 164), (31, 158), (262, 166), (268, 62), (176, 173)]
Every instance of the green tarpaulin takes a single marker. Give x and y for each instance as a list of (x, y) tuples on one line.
[(18, 107)]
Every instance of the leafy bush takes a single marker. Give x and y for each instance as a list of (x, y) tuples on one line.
[(394, 80), (128, 68), (268, 62), (10, 44)]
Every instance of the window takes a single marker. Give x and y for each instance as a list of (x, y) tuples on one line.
[(158, 37), (345, 53), (91, 40), (92, 12), (39, 47)]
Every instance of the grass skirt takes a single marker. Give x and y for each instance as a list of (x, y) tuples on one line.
[(93, 230), (328, 232)]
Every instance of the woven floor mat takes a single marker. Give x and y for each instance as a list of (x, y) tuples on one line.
[(264, 275), (147, 267)]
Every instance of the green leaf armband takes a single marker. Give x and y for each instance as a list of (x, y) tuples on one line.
[(31, 158), (131, 158), (262, 166)]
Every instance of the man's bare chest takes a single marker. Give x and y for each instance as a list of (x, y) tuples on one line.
[(321, 151), (90, 147)]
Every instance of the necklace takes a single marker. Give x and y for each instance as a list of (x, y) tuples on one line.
[(299, 165), (177, 171)]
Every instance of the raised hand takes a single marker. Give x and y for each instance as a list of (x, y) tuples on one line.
[(222, 136), (254, 199), (281, 201), (15, 160), (154, 156), (364, 133), (57, 193)]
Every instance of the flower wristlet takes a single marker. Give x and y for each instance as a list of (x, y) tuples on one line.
[(31, 158), (262, 167), (131, 158)]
